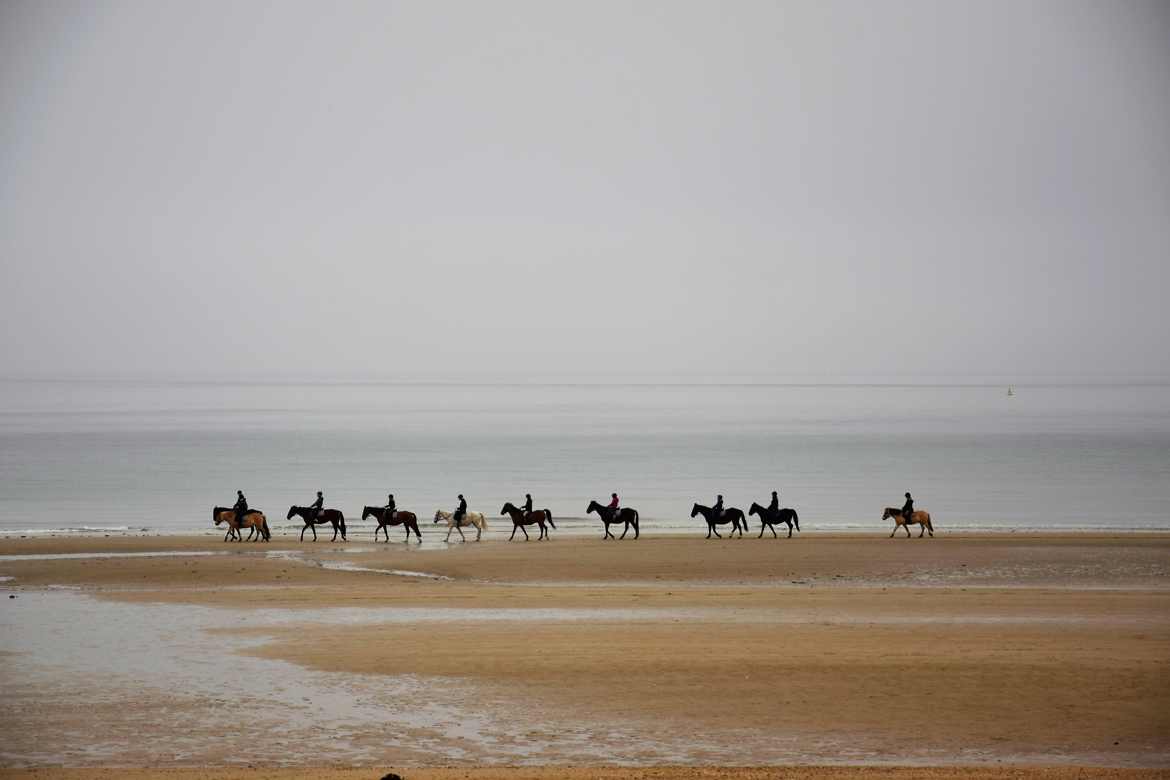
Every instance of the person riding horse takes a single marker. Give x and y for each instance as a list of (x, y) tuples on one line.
[(390, 507), (908, 508), (240, 507), (527, 504), (613, 504), (717, 509), (774, 507), (317, 505), (460, 510)]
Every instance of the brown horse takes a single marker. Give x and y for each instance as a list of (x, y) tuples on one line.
[(919, 517), (731, 515), (254, 520), (401, 517), (520, 518), (313, 518)]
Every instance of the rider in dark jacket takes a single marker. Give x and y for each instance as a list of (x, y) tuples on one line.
[(460, 510), (908, 508), (527, 503), (774, 507), (717, 510), (390, 507), (241, 506), (317, 505)]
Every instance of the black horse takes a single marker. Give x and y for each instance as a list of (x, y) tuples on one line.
[(401, 517), (768, 518), (730, 515), (520, 518), (610, 517), (331, 516)]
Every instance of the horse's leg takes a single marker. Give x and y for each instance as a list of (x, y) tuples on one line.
[(907, 527), (525, 530), (625, 529), (449, 529), (514, 527), (922, 532), (461, 536), (894, 531), (478, 532), (303, 533), (790, 530)]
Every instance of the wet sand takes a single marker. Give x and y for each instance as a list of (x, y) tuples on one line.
[(1043, 650)]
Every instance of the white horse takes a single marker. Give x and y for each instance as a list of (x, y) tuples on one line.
[(469, 518)]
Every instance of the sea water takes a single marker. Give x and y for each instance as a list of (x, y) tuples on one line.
[(122, 455)]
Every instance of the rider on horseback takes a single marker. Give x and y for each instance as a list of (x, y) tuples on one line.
[(717, 510), (774, 507), (241, 506), (613, 505), (317, 505), (460, 510), (391, 509), (527, 504), (908, 509)]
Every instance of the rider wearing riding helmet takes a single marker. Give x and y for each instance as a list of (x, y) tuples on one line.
[(774, 507), (390, 507), (527, 503), (241, 506), (908, 508)]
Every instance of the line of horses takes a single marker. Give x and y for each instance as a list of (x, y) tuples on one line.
[(257, 524)]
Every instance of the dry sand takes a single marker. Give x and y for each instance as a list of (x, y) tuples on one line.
[(1043, 649)]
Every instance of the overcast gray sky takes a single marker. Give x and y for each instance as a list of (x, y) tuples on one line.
[(409, 189)]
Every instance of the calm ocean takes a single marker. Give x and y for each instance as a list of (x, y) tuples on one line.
[(158, 456)]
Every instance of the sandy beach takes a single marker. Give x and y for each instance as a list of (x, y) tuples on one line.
[(957, 656)]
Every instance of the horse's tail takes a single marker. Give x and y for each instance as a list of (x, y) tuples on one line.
[(341, 521), (635, 511), (264, 528), (796, 519), (548, 516)]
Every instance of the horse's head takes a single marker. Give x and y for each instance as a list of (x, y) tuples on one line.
[(368, 511), (694, 510), (756, 510), (890, 512), (438, 515), (292, 511), (217, 517), (507, 508), (593, 507)]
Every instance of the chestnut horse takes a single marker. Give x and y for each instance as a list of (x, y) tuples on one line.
[(401, 517), (625, 514), (768, 519), (331, 516), (520, 518), (253, 519), (730, 515), (919, 517)]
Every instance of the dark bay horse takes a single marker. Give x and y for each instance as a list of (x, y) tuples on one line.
[(253, 519), (401, 517), (520, 518), (730, 515), (768, 518), (919, 517), (331, 516), (609, 517)]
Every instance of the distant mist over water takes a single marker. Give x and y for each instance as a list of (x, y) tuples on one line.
[(157, 455)]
